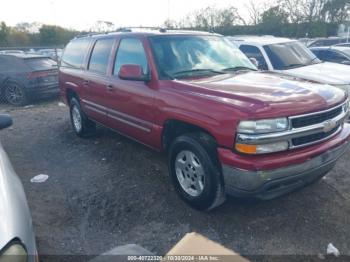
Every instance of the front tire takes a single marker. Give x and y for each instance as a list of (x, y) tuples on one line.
[(195, 172), (81, 124)]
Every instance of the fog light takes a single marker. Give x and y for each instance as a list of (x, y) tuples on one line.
[(262, 149)]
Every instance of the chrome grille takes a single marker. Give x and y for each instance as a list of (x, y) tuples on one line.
[(332, 116), (315, 118), (314, 137)]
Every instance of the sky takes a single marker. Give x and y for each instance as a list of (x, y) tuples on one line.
[(82, 14)]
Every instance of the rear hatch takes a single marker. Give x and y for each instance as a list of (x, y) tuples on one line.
[(44, 70)]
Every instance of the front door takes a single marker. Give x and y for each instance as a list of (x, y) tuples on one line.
[(130, 103)]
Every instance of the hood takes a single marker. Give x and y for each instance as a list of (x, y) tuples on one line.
[(266, 94), (328, 73)]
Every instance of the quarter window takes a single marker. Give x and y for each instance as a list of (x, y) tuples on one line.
[(100, 55), (130, 51), (74, 53)]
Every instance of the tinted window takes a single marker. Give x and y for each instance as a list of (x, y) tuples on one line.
[(9, 63), (100, 55), (41, 63), (254, 52), (289, 55), (333, 56), (130, 51), (318, 53), (74, 53)]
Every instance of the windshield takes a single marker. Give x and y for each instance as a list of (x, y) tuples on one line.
[(290, 55), (183, 56)]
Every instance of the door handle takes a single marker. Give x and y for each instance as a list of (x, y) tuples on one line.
[(110, 87), (86, 82)]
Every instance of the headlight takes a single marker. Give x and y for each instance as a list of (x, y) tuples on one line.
[(263, 126), (15, 252)]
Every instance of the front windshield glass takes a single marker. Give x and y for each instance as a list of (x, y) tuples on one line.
[(186, 56), (290, 55)]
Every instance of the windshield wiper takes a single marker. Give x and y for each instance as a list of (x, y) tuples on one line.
[(238, 68), (194, 71)]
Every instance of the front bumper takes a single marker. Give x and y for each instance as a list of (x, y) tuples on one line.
[(268, 184)]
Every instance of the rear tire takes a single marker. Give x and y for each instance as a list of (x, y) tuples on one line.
[(15, 94), (194, 170), (81, 124)]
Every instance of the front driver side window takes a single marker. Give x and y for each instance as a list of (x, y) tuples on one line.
[(130, 51), (254, 52)]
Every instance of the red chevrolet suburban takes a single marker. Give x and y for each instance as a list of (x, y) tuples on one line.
[(227, 128)]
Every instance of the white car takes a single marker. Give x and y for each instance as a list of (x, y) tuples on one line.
[(292, 58), (17, 239)]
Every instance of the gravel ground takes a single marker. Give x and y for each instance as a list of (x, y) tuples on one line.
[(107, 190)]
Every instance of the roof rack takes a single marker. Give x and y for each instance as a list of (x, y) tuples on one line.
[(131, 28), (144, 28), (159, 29), (87, 35)]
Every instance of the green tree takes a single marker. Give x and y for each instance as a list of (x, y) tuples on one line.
[(4, 32), (273, 21)]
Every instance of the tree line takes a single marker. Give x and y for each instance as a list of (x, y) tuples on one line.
[(289, 18), (46, 35)]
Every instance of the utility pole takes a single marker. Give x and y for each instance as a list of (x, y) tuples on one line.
[(168, 10)]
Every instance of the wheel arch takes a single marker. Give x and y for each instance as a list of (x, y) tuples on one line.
[(70, 93), (173, 128)]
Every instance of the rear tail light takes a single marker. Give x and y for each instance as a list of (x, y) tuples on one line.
[(37, 74)]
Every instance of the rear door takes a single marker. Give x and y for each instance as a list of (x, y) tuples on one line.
[(130, 103), (96, 80)]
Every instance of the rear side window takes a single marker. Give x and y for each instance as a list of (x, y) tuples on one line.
[(74, 53), (39, 64), (100, 55), (130, 51)]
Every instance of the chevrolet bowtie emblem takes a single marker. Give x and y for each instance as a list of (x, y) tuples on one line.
[(329, 125)]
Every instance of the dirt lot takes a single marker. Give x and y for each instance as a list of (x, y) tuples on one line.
[(107, 191)]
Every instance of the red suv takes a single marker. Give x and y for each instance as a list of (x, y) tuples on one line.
[(226, 127)]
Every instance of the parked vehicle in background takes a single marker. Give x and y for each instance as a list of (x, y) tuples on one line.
[(54, 54), (11, 52), (347, 44), (17, 240), (294, 59), (25, 76), (226, 127), (327, 41), (335, 54)]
